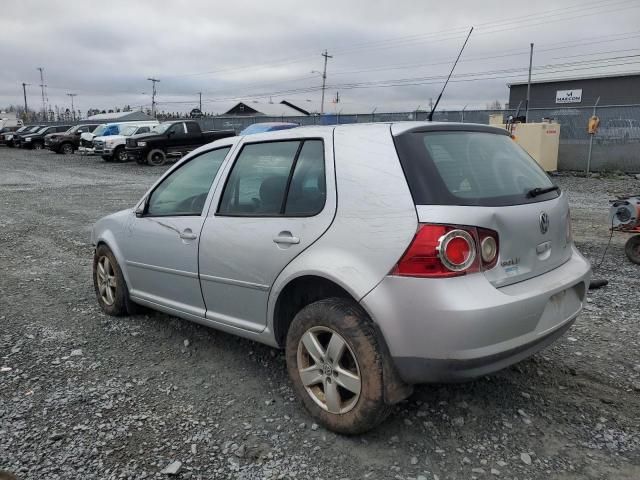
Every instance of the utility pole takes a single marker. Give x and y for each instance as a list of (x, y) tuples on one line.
[(200, 107), (42, 85), (73, 112), (24, 92), (153, 96), (526, 112), (324, 79)]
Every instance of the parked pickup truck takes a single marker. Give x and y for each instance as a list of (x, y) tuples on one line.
[(9, 131), (170, 139), (10, 139), (69, 141), (36, 140), (111, 147)]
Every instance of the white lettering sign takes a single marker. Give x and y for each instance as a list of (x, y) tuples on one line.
[(569, 96)]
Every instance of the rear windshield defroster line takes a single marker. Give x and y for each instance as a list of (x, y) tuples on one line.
[(473, 168)]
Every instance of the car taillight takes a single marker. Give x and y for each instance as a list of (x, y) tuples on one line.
[(439, 251)]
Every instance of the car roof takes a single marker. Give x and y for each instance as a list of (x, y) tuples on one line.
[(397, 128)]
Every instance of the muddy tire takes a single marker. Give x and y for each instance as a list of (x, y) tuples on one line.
[(109, 284), (632, 249), (335, 363), (156, 157)]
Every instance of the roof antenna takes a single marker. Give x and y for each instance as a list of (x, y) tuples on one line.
[(435, 105)]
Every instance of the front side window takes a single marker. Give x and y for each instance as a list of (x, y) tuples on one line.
[(177, 130), (275, 179), (184, 191)]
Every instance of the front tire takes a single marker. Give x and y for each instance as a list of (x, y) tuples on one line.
[(335, 364), (66, 149), (156, 157), (120, 155), (109, 284)]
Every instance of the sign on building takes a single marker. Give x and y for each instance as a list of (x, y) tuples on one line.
[(569, 96)]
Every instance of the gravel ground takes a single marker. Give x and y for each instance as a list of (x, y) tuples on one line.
[(86, 396)]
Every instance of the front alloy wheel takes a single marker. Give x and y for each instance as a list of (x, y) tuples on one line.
[(107, 281), (109, 284), (329, 370)]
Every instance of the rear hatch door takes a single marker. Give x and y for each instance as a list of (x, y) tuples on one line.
[(478, 176)]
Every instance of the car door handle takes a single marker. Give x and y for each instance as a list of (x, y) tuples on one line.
[(187, 234), (286, 238)]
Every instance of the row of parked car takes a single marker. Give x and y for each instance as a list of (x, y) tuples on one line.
[(149, 142)]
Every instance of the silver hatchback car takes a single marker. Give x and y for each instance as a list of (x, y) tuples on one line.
[(378, 255)]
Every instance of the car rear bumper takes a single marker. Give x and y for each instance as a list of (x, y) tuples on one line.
[(460, 328)]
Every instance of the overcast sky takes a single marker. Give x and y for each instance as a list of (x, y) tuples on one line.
[(257, 50)]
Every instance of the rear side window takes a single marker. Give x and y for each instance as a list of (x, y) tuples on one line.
[(469, 168), (284, 178)]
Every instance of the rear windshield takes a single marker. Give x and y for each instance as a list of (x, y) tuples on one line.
[(469, 168)]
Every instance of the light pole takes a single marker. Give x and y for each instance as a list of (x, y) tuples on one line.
[(153, 96), (73, 112), (24, 92)]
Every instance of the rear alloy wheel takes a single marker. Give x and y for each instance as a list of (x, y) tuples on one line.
[(632, 249), (335, 364), (121, 154), (66, 148), (156, 157), (326, 363)]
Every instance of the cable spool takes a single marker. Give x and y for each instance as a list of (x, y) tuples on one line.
[(624, 213)]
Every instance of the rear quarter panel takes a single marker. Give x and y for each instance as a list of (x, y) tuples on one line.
[(375, 217)]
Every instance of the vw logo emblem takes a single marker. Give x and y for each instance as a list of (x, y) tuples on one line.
[(544, 222)]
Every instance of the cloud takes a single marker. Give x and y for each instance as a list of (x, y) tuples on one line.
[(104, 52)]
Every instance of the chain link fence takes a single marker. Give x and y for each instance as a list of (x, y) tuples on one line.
[(616, 147)]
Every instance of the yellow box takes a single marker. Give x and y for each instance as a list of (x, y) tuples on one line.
[(541, 141)]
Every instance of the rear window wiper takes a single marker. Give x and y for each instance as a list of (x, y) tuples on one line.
[(534, 192)]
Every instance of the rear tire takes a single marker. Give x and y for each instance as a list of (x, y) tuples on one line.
[(332, 379), (632, 249), (156, 157), (38, 146)]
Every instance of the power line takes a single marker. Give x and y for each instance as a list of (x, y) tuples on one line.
[(440, 36)]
